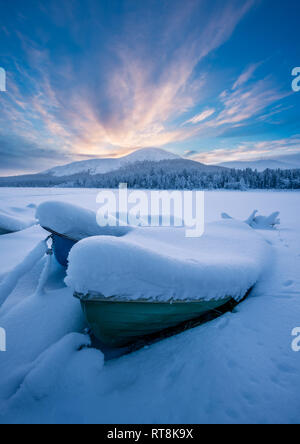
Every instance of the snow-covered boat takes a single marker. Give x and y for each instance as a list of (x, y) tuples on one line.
[(61, 246), (156, 278), (68, 224)]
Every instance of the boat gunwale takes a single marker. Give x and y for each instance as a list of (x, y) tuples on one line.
[(64, 236), (4, 231), (98, 297)]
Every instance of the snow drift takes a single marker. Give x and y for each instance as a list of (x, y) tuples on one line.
[(11, 224), (31, 327), (239, 368)]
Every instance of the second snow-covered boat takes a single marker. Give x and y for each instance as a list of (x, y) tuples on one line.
[(68, 224), (62, 246)]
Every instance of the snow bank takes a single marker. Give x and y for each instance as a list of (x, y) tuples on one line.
[(50, 366), (73, 221), (14, 247), (162, 264), (32, 326), (11, 224), (10, 281)]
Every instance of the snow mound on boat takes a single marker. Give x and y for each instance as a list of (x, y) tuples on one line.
[(73, 221), (11, 224), (163, 265)]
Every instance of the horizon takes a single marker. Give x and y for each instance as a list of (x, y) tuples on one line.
[(224, 164), (211, 82)]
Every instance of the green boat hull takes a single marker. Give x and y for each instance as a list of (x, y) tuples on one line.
[(118, 323)]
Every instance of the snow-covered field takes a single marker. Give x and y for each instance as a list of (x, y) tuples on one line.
[(239, 368)]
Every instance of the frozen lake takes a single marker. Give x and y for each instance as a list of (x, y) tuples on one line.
[(238, 368)]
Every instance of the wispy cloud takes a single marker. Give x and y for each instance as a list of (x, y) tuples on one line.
[(246, 101), (200, 117), (251, 151), (246, 75), (190, 153)]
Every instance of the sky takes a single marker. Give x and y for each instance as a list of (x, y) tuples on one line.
[(209, 80)]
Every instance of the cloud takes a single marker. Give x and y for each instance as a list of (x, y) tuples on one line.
[(19, 155), (190, 153), (248, 101), (251, 151), (200, 117), (279, 109), (123, 91), (132, 88), (245, 76)]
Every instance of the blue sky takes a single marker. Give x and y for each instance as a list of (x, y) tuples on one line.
[(206, 79)]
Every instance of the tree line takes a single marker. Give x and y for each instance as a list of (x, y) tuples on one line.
[(161, 178), (168, 175)]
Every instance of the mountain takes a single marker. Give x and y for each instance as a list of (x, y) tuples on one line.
[(106, 165), (168, 174), (291, 161), (155, 168), (148, 162)]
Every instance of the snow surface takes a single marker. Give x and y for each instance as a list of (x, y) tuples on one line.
[(105, 165), (16, 219), (162, 264), (10, 281), (239, 368)]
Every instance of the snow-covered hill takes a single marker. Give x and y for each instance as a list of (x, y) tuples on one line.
[(105, 165), (282, 162)]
